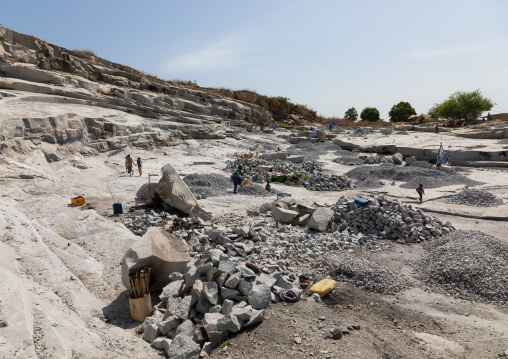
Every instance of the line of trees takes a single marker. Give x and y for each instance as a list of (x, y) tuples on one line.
[(459, 105)]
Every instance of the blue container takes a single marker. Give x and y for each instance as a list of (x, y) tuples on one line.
[(117, 208), (361, 202)]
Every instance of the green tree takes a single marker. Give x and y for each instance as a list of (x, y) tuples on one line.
[(401, 112), (351, 114), (462, 105), (370, 114)]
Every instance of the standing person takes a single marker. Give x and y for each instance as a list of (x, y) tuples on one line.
[(237, 180), (127, 158), (129, 165), (420, 191), (437, 127), (268, 187), (140, 165), (489, 117)]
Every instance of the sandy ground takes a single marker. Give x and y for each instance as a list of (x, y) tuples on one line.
[(61, 266)]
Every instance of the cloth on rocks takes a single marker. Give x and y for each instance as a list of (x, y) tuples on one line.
[(291, 295)]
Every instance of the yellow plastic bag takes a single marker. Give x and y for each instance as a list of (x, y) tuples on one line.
[(244, 182)]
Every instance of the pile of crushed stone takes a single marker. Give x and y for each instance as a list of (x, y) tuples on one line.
[(364, 274), (212, 185), (475, 197), (468, 264), (367, 177)]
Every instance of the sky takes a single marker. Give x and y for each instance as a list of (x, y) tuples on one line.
[(328, 55)]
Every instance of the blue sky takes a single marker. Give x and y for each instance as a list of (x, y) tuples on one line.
[(330, 55)]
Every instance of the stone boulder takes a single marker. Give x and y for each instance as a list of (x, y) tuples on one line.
[(321, 136), (397, 158), (174, 193), (183, 347), (159, 250), (284, 215), (320, 219)]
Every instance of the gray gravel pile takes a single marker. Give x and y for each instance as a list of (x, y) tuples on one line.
[(253, 173), (475, 197), (386, 131), (467, 264), (140, 224), (324, 182), (402, 132), (212, 185), (367, 176), (360, 131), (364, 274), (386, 219)]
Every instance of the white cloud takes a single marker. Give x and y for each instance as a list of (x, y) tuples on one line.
[(208, 57)]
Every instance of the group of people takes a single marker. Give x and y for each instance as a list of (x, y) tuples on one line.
[(238, 181), (129, 163)]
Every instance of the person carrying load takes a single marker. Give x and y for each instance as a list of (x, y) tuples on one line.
[(237, 180)]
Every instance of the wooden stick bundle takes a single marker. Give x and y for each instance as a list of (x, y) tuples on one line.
[(140, 282)]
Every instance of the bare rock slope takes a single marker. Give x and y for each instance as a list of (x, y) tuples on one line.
[(60, 96)]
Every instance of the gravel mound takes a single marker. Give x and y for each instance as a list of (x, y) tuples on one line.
[(364, 274), (467, 264), (360, 131), (476, 198), (212, 185), (368, 176), (386, 132)]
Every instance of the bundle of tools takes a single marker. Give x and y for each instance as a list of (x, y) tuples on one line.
[(140, 282)]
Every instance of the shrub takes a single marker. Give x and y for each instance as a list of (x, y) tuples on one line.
[(370, 114), (462, 105), (351, 114), (401, 112)]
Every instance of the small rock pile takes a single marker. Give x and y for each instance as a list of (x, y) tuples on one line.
[(212, 185), (360, 131), (475, 197), (387, 219), (386, 131), (217, 295), (467, 264), (325, 182), (140, 224), (363, 274)]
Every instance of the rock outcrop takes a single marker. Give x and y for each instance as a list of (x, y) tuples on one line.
[(129, 107)]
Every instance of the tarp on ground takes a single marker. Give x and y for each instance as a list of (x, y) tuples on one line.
[(313, 133)]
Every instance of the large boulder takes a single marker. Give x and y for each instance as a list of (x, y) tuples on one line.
[(397, 158), (320, 219), (158, 250), (284, 215), (174, 193)]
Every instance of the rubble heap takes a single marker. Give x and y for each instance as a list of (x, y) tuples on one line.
[(475, 197), (360, 131), (310, 172), (387, 219), (140, 224), (217, 295), (324, 182), (212, 185), (363, 274), (467, 264)]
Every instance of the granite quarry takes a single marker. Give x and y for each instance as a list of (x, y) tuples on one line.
[(342, 206)]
